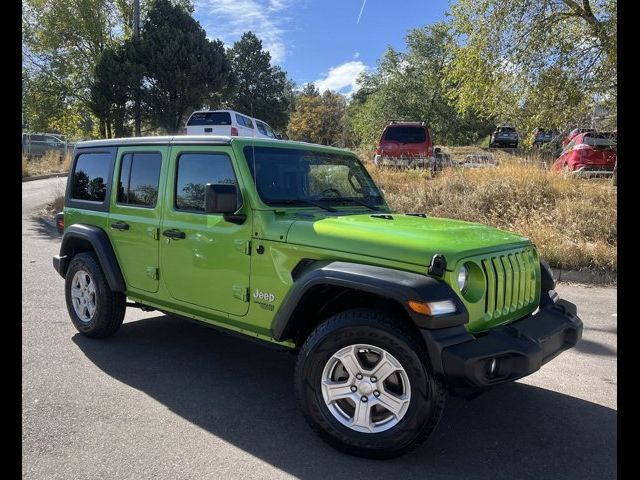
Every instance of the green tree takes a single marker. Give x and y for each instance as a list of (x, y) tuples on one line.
[(411, 86), (118, 77), (183, 69), (62, 41), (259, 89), (512, 54), (310, 90), (318, 118)]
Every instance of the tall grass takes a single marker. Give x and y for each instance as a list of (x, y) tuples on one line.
[(572, 221), (50, 162)]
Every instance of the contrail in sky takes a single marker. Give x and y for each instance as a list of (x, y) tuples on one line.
[(361, 10)]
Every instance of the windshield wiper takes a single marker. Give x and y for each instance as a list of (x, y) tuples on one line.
[(291, 201), (353, 200)]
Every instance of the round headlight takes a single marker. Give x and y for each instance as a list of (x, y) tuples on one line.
[(463, 277)]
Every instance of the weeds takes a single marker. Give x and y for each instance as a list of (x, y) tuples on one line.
[(50, 162), (572, 221)]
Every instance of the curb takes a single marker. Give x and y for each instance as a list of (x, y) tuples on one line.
[(587, 277), (42, 177)]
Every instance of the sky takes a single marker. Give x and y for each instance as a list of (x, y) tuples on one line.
[(328, 42)]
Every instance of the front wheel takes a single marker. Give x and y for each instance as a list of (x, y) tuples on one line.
[(365, 386)]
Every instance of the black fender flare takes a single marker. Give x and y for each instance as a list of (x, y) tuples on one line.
[(389, 283), (99, 241)]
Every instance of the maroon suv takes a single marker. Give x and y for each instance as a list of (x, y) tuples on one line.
[(405, 144)]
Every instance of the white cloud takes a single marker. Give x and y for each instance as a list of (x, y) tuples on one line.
[(340, 77), (229, 19)]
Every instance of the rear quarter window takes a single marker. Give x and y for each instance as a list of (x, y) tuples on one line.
[(91, 176)]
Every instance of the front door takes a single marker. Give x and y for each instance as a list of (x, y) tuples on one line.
[(204, 258), (134, 217)]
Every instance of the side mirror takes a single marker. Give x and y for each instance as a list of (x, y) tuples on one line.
[(220, 198), (223, 198)]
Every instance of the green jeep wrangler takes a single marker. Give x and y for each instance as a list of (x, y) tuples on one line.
[(294, 244)]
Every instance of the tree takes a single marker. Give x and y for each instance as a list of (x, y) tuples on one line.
[(258, 88), (310, 90), (118, 76), (318, 118), (411, 86), (510, 53), (183, 69), (62, 41)]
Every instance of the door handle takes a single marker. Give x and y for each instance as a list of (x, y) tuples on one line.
[(120, 226), (174, 234)]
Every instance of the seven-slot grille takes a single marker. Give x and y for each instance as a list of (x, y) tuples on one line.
[(511, 282)]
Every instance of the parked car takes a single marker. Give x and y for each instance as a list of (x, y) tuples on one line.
[(37, 144), (591, 154), (541, 137), (572, 134), (504, 136), (295, 245), (405, 144), (227, 122)]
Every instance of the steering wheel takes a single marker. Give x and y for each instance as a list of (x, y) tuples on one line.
[(332, 190)]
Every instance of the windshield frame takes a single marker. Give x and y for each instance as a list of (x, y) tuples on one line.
[(378, 201)]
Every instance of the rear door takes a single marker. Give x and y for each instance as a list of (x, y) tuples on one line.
[(135, 213)]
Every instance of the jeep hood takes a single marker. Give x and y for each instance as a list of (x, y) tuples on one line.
[(401, 238)]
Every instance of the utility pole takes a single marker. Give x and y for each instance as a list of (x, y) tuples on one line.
[(136, 37)]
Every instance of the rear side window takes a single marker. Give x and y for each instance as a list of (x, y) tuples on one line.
[(210, 118), (261, 128), (90, 176), (139, 179), (406, 134), (265, 129), (244, 121), (195, 170)]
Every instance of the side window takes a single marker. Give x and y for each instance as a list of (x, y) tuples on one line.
[(195, 170), (244, 121), (89, 176), (139, 178), (261, 128)]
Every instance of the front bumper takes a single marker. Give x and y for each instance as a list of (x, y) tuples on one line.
[(587, 172), (515, 350)]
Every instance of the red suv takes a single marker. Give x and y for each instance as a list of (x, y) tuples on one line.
[(573, 134), (405, 144), (589, 154)]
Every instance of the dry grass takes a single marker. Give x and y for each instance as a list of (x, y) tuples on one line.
[(48, 163), (572, 221)]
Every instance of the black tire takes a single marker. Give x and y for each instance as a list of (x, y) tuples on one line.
[(109, 306), (379, 329)]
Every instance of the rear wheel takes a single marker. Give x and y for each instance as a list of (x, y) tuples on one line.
[(365, 386), (95, 310)]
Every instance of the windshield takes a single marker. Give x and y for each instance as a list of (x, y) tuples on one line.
[(297, 176)]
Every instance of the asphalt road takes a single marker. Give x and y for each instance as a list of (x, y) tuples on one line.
[(169, 399)]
